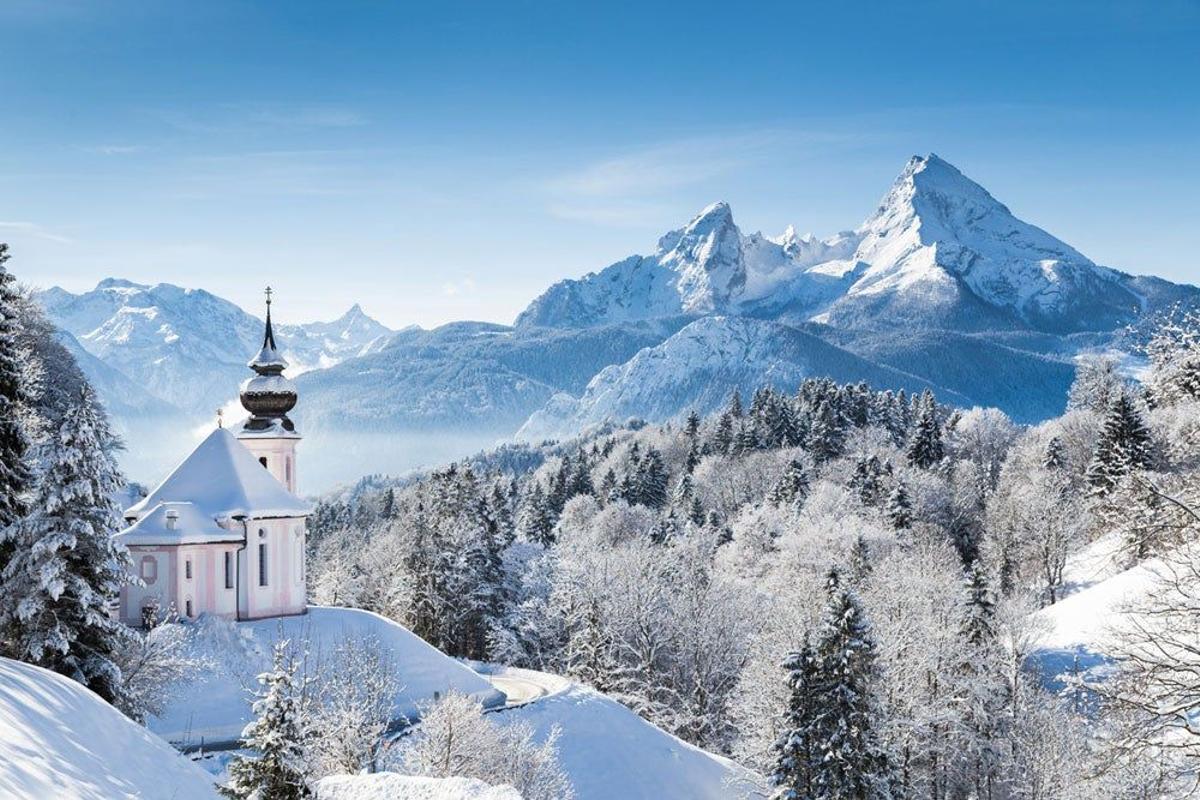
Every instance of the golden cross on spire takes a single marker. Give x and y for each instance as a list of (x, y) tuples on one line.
[(269, 291)]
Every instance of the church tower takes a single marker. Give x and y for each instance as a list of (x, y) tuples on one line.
[(268, 434)]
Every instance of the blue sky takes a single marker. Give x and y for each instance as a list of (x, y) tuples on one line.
[(442, 161)]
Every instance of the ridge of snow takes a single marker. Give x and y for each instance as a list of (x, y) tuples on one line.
[(59, 740)]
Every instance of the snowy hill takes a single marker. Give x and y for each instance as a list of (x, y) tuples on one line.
[(697, 368), (188, 348), (390, 786), (215, 707), (608, 751), (59, 740)]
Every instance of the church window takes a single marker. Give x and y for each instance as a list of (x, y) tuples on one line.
[(287, 468), (188, 608), (149, 569), (262, 564), (228, 570), (263, 461), (187, 569)]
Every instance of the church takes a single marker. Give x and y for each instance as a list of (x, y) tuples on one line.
[(224, 533)]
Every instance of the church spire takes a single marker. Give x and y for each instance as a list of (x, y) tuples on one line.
[(268, 396)]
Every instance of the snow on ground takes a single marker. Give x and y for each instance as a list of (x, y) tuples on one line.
[(213, 708), (390, 786), (610, 752), (59, 740)]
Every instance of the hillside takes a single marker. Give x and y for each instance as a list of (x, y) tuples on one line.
[(58, 740)]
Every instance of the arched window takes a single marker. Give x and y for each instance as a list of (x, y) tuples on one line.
[(262, 564), (263, 460), (287, 468)]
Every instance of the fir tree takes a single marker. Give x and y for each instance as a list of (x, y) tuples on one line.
[(276, 772), (860, 561), (1124, 446), (723, 436), (925, 448), (851, 761), (826, 434), (1053, 458), (792, 487), (651, 484), (537, 521), (692, 426), (387, 508), (16, 478), (65, 568), (796, 757), (899, 507), (696, 513), (735, 404), (867, 479)]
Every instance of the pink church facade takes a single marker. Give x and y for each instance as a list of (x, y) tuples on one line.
[(224, 533)]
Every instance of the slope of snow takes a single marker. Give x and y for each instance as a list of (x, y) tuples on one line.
[(215, 705), (59, 740), (700, 366), (390, 786), (610, 752)]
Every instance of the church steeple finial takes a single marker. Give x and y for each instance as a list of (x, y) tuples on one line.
[(269, 335), (269, 395)]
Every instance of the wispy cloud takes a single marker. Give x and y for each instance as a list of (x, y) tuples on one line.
[(32, 230), (115, 149), (244, 117), (628, 188), (455, 288)]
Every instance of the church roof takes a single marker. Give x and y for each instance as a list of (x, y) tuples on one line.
[(176, 523), (222, 479)]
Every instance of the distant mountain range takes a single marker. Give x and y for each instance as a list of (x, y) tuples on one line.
[(942, 286)]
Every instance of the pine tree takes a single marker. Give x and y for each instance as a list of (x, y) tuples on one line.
[(692, 426), (826, 434), (852, 763), (590, 656), (735, 404), (651, 483), (537, 521), (792, 487), (860, 561), (1053, 458), (696, 513), (1124, 446), (925, 447), (797, 760), (899, 507), (387, 508), (65, 569), (276, 772), (723, 436), (16, 477), (868, 479)]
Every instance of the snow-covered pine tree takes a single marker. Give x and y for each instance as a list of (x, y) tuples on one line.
[(899, 507), (536, 521), (1054, 457), (860, 561), (16, 477), (65, 569), (1124, 445), (651, 482), (735, 404), (590, 657), (851, 760), (925, 446), (276, 735), (722, 440), (867, 479), (792, 486), (826, 434), (796, 758)]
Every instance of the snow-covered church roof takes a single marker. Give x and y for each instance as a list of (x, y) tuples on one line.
[(221, 479), (176, 523)]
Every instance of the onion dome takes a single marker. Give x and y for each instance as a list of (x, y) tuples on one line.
[(268, 396)]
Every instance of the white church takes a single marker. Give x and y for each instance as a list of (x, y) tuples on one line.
[(224, 533)]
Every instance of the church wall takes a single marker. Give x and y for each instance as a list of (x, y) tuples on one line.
[(280, 453), (285, 592)]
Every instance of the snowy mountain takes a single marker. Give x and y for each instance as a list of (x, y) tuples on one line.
[(992, 309), (187, 347), (58, 739), (698, 367), (938, 252)]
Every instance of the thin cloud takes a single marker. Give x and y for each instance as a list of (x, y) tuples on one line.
[(455, 288), (33, 231), (115, 149)]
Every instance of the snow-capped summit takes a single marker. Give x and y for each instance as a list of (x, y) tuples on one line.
[(939, 243), (706, 255)]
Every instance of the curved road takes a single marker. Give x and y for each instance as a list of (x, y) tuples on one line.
[(519, 689)]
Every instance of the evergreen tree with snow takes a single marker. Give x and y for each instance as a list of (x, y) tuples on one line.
[(925, 447), (651, 483), (722, 441), (16, 478), (1054, 457), (851, 761), (792, 487), (860, 561), (537, 520), (65, 569), (387, 509), (899, 507), (696, 513), (826, 434), (276, 735), (692, 427), (1124, 445), (796, 757), (867, 479), (735, 405)]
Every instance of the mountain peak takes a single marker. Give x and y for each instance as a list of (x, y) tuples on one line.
[(119, 283)]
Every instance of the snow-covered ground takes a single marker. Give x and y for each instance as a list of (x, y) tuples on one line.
[(213, 708), (390, 786), (610, 752), (59, 740)]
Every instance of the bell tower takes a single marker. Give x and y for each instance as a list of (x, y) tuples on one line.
[(268, 396)]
